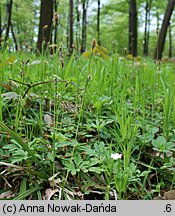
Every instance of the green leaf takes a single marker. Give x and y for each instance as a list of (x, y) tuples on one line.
[(23, 185), (159, 142), (22, 196), (78, 160), (94, 161), (19, 155), (96, 169), (25, 147)]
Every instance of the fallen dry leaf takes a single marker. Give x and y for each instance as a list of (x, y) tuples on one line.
[(49, 193), (169, 195), (48, 120), (7, 194)]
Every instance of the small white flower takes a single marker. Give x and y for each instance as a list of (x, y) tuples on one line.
[(116, 156)]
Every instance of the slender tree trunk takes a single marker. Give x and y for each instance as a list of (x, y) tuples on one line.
[(147, 27), (163, 31), (67, 32), (45, 24), (71, 33), (77, 24), (83, 40), (98, 23), (55, 21), (9, 14), (149, 23), (9, 24), (35, 18), (14, 38), (133, 27), (157, 18), (170, 42)]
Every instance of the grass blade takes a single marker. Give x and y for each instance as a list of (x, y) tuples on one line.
[(24, 146), (27, 193)]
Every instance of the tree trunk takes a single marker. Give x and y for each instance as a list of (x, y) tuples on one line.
[(133, 27), (71, 33), (14, 38), (170, 42), (55, 21), (98, 23), (147, 27), (77, 25), (9, 14), (67, 32), (45, 24), (163, 31), (83, 40), (9, 24)]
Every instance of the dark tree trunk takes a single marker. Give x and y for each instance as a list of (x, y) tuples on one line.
[(147, 27), (170, 42), (163, 31), (9, 14), (83, 40), (157, 18), (9, 24), (55, 21), (98, 23), (133, 27), (45, 24), (14, 38), (77, 24), (71, 33)]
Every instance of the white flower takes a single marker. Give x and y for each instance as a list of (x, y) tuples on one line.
[(116, 156)]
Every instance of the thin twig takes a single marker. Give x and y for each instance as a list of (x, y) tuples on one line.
[(29, 86)]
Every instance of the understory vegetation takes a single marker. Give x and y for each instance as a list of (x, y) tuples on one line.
[(86, 127)]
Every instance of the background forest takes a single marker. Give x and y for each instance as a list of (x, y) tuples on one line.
[(107, 21), (87, 99)]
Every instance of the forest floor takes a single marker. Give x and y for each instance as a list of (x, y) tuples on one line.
[(86, 128)]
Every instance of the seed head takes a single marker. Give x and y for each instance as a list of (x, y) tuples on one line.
[(94, 43), (74, 46), (45, 27), (125, 51), (55, 18), (62, 62), (60, 48)]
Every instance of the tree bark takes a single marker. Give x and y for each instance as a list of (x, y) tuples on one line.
[(98, 23), (55, 21), (14, 38), (45, 24), (71, 33), (133, 27), (163, 31), (77, 25), (67, 32), (9, 14), (147, 27), (83, 40), (170, 42), (9, 24)]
